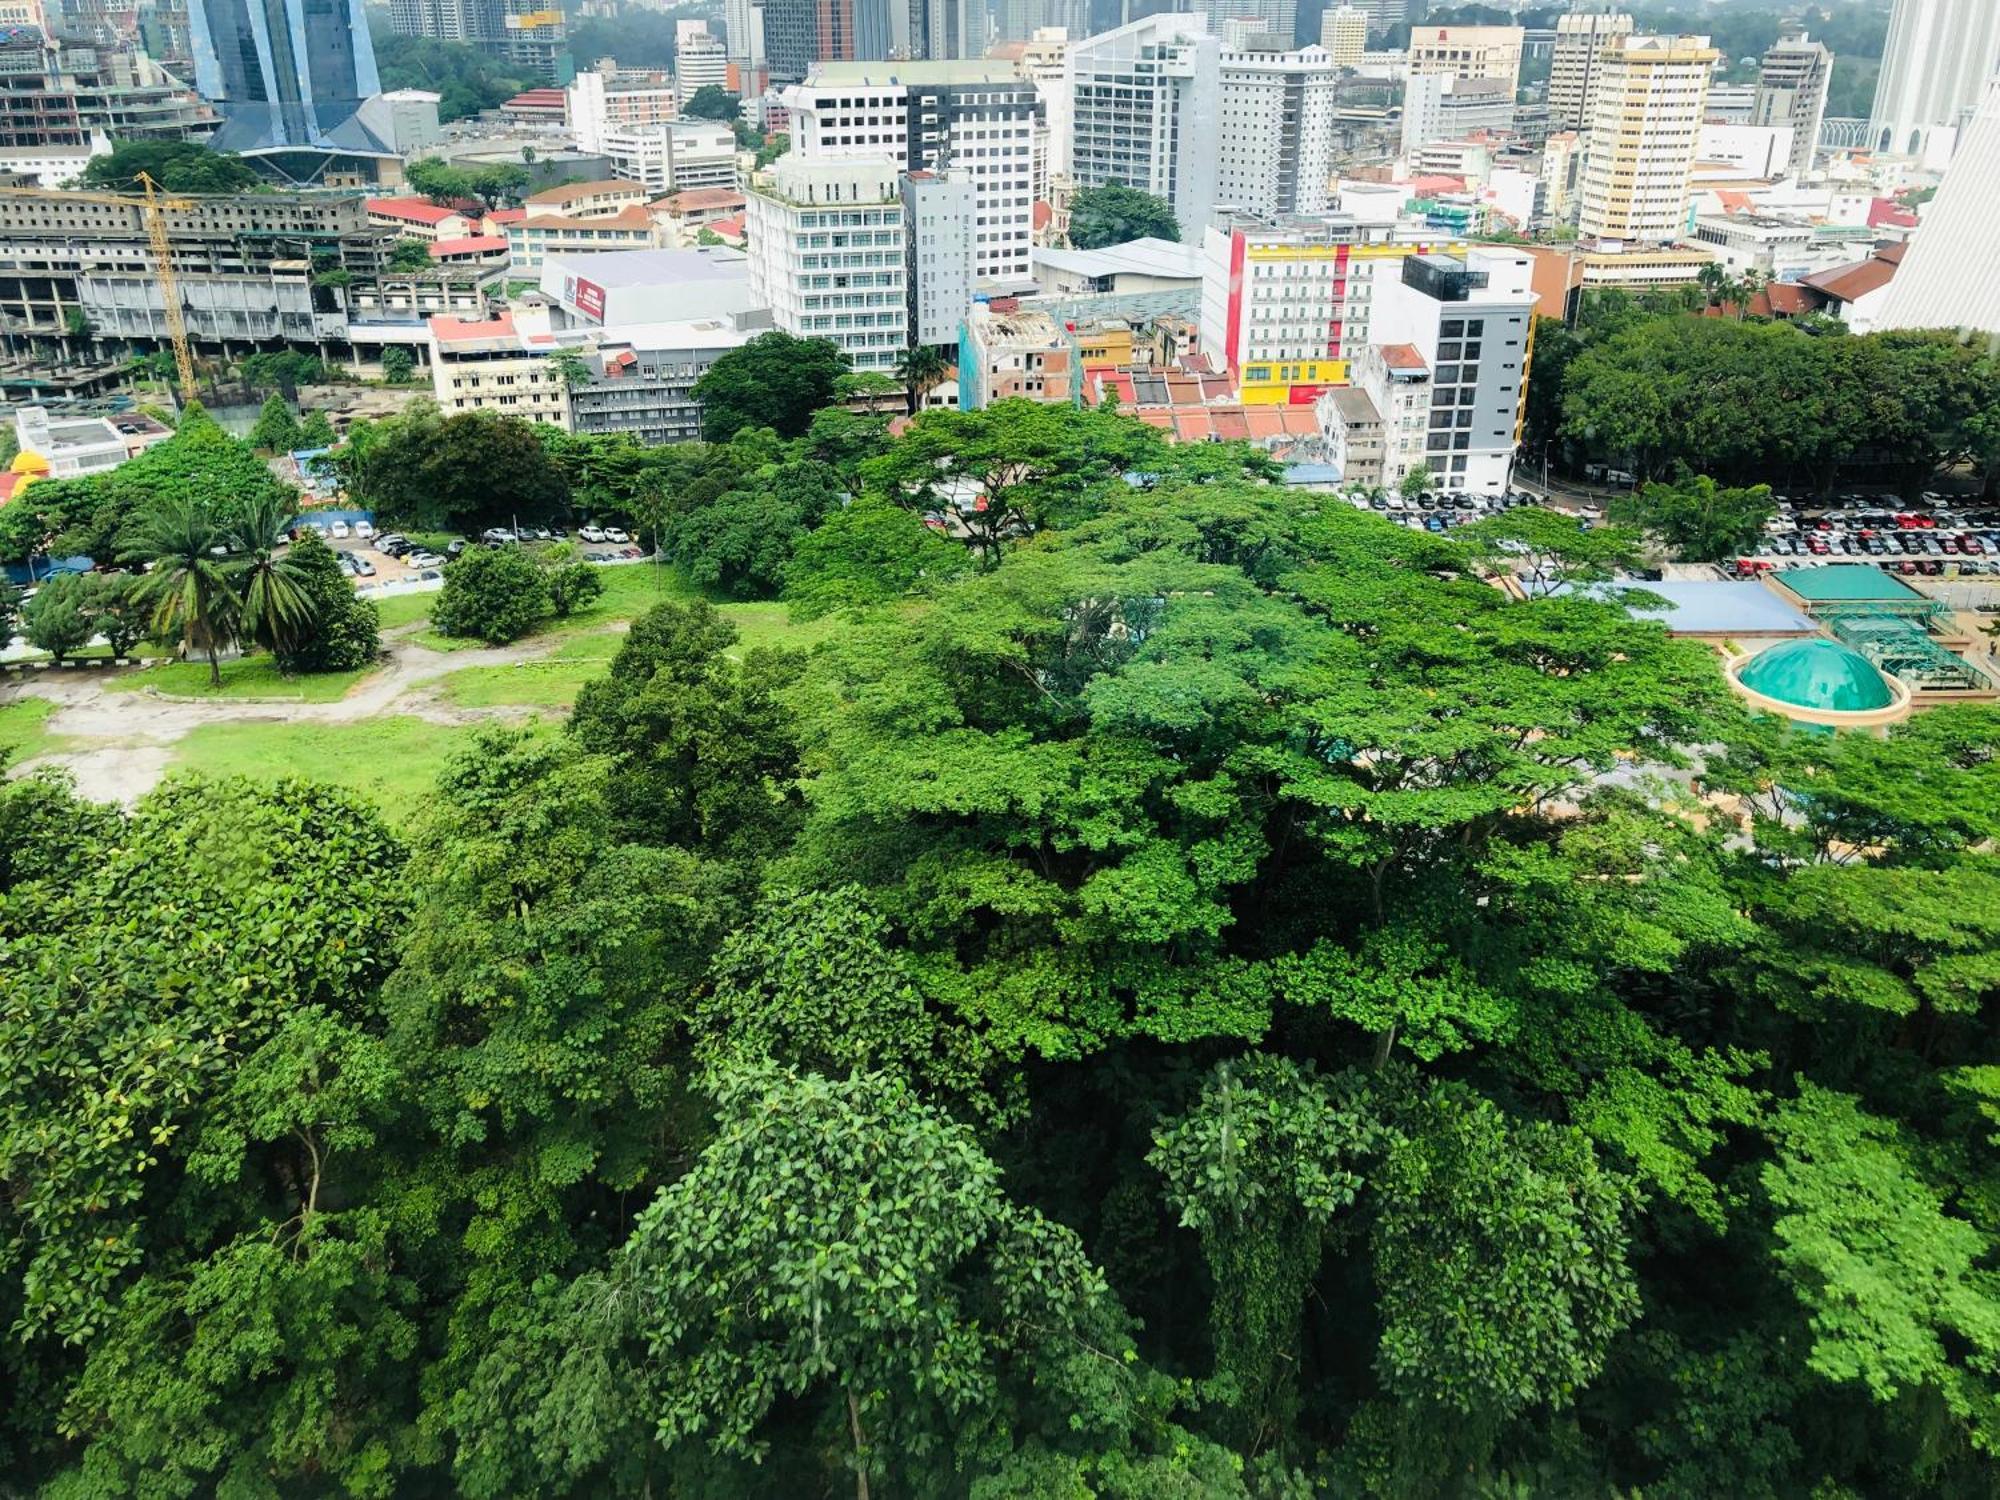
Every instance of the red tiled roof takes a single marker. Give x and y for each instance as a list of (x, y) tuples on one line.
[(1886, 211), (570, 191), (537, 99), (730, 228), (1734, 202), (1851, 282), (633, 216), (695, 200), (505, 216), (416, 210), (1893, 252), (1403, 357), (448, 329), (1041, 214), (472, 244), (1436, 184)]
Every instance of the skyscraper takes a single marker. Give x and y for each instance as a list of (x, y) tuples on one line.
[(1937, 58), (791, 35), (1144, 102), (1791, 90), (1643, 131), (288, 77), (1573, 68), (1277, 128), (1946, 279)]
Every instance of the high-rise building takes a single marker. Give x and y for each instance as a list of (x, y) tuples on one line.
[(1386, 14), (955, 29), (1276, 18), (1791, 91), (1145, 99), (1938, 56), (289, 78), (1277, 130), (1643, 132), (700, 60), (1946, 279), (831, 254), (975, 119), (791, 36), (1581, 38), (1044, 62), (1343, 31), (743, 32), (1022, 19), (607, 99), (1468, 52)]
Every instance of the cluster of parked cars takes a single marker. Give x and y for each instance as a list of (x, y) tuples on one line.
[(1439, 513), (1881, 529), (414, 555)]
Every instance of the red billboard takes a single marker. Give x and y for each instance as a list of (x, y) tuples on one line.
[(587, 297)]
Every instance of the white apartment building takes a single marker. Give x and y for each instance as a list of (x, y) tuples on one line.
[(498, 364), (1791, 94), (1463, 327), (1560, 155), (1278, 119), (1044, 62), (1146, 98), (827, 249), (673, 158), (605, 101), (1343, 31), (1468, 52), (1575, 63), (1395, 379), (700, 59), (974, 119), (1641, 146), (1439, 107), (940, 213)]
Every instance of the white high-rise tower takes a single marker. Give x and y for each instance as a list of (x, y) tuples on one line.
[(1937, 58)]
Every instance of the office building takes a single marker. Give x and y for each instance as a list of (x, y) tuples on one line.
[(1446, 367), (642, 379), (1643, 132), (588, 289), (1343, 31), (288, 79), (1791, 92), (1246, 18), (1014, 354), (1561, 154), (1021, 20), (791, 38), (608, 99), (1492, 52), (68, 94), (940, 213), (1946, 280), (700, 60), (1936, 60), (977, 119), (517, 31), (1439, 107), (1386, 14), (827, 248), (1144, 101), (498, 364), (1275, 155), (674, 157), (1573, 66), (1286, 302)]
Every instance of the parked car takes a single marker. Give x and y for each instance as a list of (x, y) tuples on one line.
[(424, 560), (613, 534), (497, 536), (454, 547), (395, 544), (591, 533), (364, 529), (339, 529)]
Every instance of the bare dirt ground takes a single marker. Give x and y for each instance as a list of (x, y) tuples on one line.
[(124, 741)]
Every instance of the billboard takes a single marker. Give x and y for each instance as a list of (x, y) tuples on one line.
[(584, 296)]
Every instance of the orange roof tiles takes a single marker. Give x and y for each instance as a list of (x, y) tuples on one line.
[(1403, 357), (473, 244), (416, 210)]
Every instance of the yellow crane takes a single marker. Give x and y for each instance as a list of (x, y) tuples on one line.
[(153, 206)]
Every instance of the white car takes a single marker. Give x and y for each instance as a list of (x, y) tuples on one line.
[(613, 534), (592, 533), (423, 560), (363, 530), (339, 528)]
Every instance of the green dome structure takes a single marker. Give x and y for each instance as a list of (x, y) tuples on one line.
[(1819, 676)]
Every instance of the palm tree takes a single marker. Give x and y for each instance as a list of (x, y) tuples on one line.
[(1714, 282), (188, 582), (275, 604), (919, 368)]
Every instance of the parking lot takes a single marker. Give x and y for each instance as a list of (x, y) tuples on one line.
[(1936, 539), (373, 560), (1440, 513)]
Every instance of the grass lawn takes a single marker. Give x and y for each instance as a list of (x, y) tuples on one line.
[(248, 677), (394, 760), (403, 609), (23, 732)]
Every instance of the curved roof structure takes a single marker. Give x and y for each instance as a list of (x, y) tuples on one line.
[(1819, 675)]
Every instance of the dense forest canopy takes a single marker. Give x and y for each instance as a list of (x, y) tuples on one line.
[(1190, 990)]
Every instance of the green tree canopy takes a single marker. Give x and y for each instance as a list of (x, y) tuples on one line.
[(1113, 214), (774, 381)]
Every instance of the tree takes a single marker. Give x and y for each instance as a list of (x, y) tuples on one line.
[(775, 145), (1416, 484), (1114, 214), (410, 255), (116, 606), (177, 166), (423, 469), (275, 608), (56, 620), (277, 430), (316, 431), (919, 368), (1701, 520), (571, 582), (397, 365), (703, 748), (342, 630), (1555, 551), (774, 381), (189, 586), (570, 369), (495, 593), (868, 552), (445, 184), (466, 79), (712, 102)]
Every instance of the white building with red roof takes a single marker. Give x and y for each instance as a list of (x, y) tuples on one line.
[(420, 219)]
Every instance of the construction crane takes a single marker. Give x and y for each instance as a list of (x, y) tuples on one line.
[(153, 206)]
